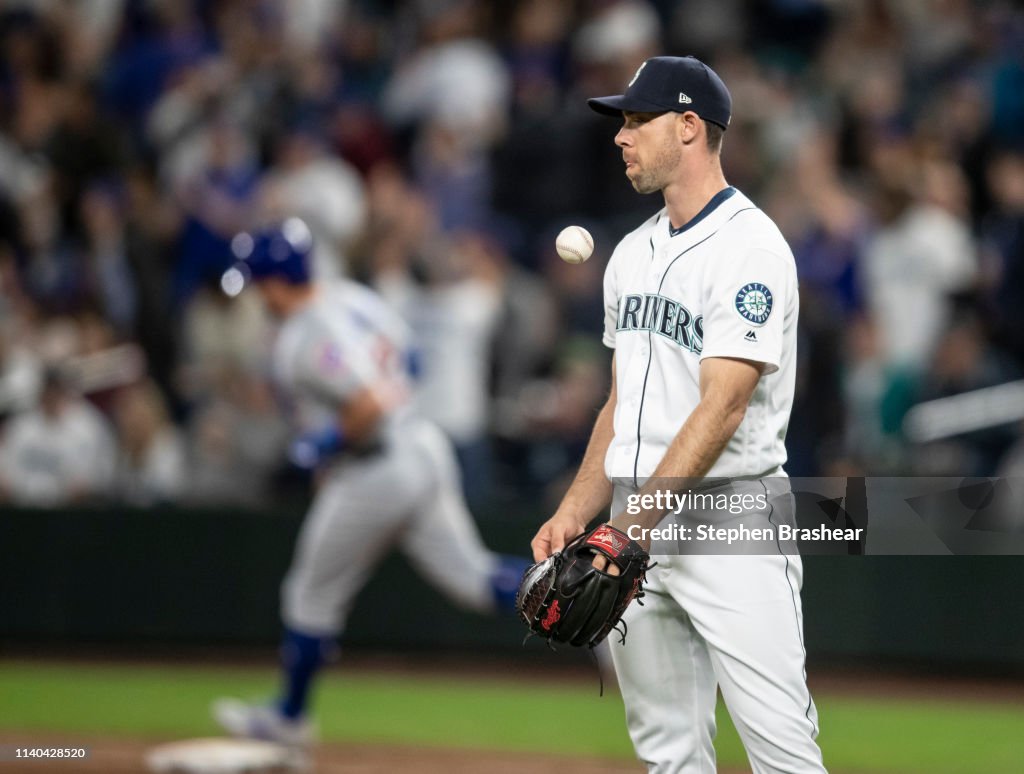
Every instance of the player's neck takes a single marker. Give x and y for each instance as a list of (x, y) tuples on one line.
[(692, 190), (299, 298)]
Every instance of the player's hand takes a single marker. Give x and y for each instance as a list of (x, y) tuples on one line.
[(559, 530), (554, 534), (604, 564), (308, 450)]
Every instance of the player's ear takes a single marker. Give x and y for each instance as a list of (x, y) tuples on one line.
[(688, 127)]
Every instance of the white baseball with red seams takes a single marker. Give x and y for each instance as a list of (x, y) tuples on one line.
[(574, 244)]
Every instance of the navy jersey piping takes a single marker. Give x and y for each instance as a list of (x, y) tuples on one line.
[(705, 239), (643, 392), (708, 208), (650, 348), (796, 613)]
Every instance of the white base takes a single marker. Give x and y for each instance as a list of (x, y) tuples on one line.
[(225, 756)]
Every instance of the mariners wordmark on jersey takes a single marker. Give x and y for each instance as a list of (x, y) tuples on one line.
[(661, 315)]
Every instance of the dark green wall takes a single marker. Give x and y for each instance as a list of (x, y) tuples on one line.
[(210, 577)]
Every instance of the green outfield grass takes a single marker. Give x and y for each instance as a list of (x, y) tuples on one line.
[(858, 735)]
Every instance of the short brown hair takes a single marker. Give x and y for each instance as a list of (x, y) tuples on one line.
[(715, 133)]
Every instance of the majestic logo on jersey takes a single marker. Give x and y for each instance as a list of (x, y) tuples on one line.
[(661, 315), (751, 336), (636, 74), (754, 303)]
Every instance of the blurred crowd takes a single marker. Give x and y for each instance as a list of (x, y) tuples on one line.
[(435, 147)]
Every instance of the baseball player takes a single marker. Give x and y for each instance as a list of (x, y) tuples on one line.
[(386, 477), (701, 312)]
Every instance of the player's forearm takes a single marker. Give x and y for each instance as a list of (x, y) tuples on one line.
[(354, 426), (702, 439), (591, 490), (726, 387), (360, 415), (693, 452)]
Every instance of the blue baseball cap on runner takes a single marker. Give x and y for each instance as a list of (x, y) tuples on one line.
[(281, 251), (672, 83)]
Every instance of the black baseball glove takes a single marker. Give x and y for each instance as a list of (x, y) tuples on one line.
[(566, 599)]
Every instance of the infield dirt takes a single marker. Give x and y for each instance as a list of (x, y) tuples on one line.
[(127, 756)]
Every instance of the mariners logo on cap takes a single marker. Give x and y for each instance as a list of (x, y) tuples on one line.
[(636, 75), (754, 303)]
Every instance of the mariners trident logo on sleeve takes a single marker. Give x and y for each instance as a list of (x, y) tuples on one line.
[(754, 303)]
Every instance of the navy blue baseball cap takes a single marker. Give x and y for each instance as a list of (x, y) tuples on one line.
[(282, 251), (672, 83)]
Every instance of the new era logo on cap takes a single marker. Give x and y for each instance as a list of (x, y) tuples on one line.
[(665, 83)]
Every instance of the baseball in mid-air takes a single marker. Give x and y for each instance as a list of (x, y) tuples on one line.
[(574, 244)]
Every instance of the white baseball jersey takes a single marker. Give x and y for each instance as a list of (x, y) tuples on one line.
[(406, 493), (722, 285), (345, 340)]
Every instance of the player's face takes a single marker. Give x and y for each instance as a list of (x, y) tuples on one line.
[(650, 148), (274, 293)]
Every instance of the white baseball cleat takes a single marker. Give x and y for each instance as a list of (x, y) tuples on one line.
[(261, 721)]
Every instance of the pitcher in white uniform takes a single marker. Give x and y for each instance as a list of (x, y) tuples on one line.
[(386, 477), (701, 311)]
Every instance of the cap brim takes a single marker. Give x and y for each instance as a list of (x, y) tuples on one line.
[(614, 106)]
